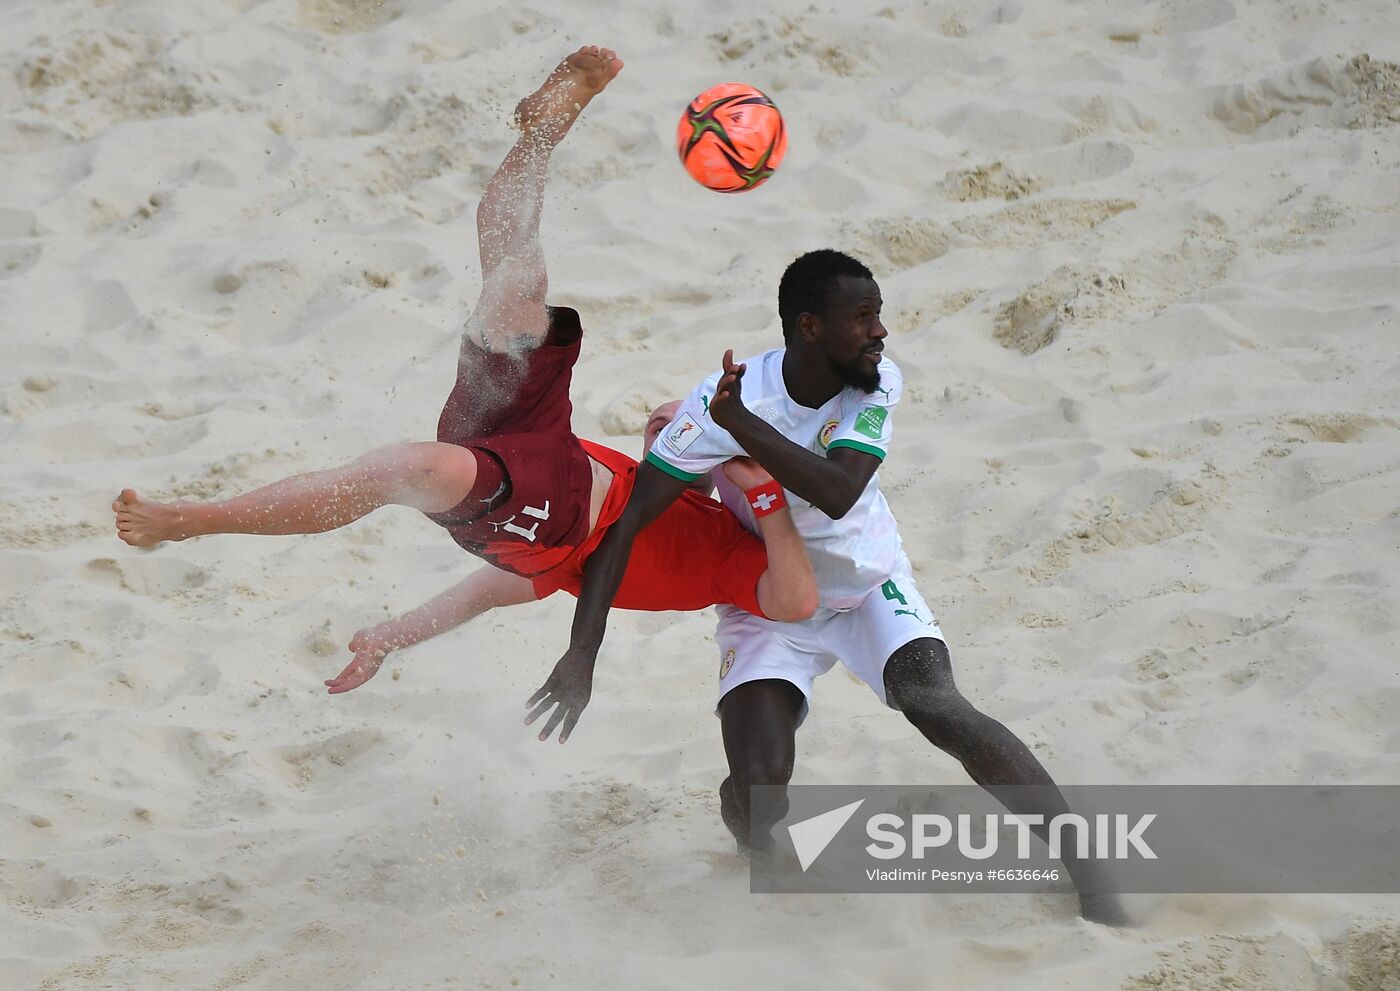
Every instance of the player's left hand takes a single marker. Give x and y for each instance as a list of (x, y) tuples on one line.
[(369, 650), (727, 407), (567, 691)]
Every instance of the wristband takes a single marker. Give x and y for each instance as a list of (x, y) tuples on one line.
[(766, 498)]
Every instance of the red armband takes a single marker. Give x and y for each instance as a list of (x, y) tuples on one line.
[(766, 498)]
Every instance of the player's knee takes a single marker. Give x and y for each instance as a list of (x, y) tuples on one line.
[(761, 768), (515, 291), (430, 476), (932, 709), (919, 680), (428, 462)]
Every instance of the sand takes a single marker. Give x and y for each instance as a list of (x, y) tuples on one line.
[(1141, 270)]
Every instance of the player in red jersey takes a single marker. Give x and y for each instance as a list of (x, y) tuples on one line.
[(490, 588), (507, 478)]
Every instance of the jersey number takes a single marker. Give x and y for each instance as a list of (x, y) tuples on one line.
[(539, 514), (893, 593)]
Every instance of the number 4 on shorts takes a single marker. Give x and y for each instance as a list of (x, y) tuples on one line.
[(893, 593)]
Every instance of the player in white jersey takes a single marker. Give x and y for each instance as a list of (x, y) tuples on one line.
[(817, 414)]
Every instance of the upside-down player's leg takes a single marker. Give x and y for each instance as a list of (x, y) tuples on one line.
[(427, 476), (511, 310)]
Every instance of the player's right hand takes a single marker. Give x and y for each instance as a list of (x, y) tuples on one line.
[(727, 405), (567, 691), (369, 653)]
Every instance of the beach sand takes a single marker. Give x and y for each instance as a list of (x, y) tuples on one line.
[(1141, 268)]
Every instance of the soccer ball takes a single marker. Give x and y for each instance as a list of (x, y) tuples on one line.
[(731, 138)]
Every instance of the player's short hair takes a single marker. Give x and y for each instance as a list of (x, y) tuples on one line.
[(806, 285)]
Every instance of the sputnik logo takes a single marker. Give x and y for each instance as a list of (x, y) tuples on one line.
[(811, 836)]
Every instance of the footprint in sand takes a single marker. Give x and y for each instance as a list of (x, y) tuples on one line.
[(904, 241), (1033, 319), (306, 764), (1335, 91), (1040, 221), (16, 259), (214, 898), (1333, 428), (991, 181), (347, 16), (102, 78), (154, 576), (123, 434), (179, 754), (1083, 162)]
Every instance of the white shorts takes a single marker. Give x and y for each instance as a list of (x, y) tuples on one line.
[(862, 638)]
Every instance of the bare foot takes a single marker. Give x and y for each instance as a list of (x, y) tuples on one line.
[(547, 114), (144, 524)]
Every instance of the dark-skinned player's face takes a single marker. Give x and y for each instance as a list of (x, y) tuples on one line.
[(850, 333)]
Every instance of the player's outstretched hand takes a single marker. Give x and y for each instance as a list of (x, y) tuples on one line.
[(746, 473), (369, 653), (727, 406), (567, 691)]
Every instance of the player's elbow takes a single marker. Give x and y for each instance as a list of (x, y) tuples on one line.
[(838, 508), (846, 498), (794, 606)]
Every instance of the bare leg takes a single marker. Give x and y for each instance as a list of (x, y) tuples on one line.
[(430, 477), (919, 682), (759, 723), (511, 310)]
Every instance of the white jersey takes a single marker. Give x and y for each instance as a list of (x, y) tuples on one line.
[(850, 556)]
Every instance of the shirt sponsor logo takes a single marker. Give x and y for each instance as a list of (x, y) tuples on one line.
[(871, 421), (828, 428), (681, 434)]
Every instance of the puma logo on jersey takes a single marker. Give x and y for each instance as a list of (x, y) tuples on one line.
[(495, 495)]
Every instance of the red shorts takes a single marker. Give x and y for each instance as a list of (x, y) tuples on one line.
[(516, 407), (694, 555), (500, 392)]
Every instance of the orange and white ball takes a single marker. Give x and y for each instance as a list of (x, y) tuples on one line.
[(731, 138)]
